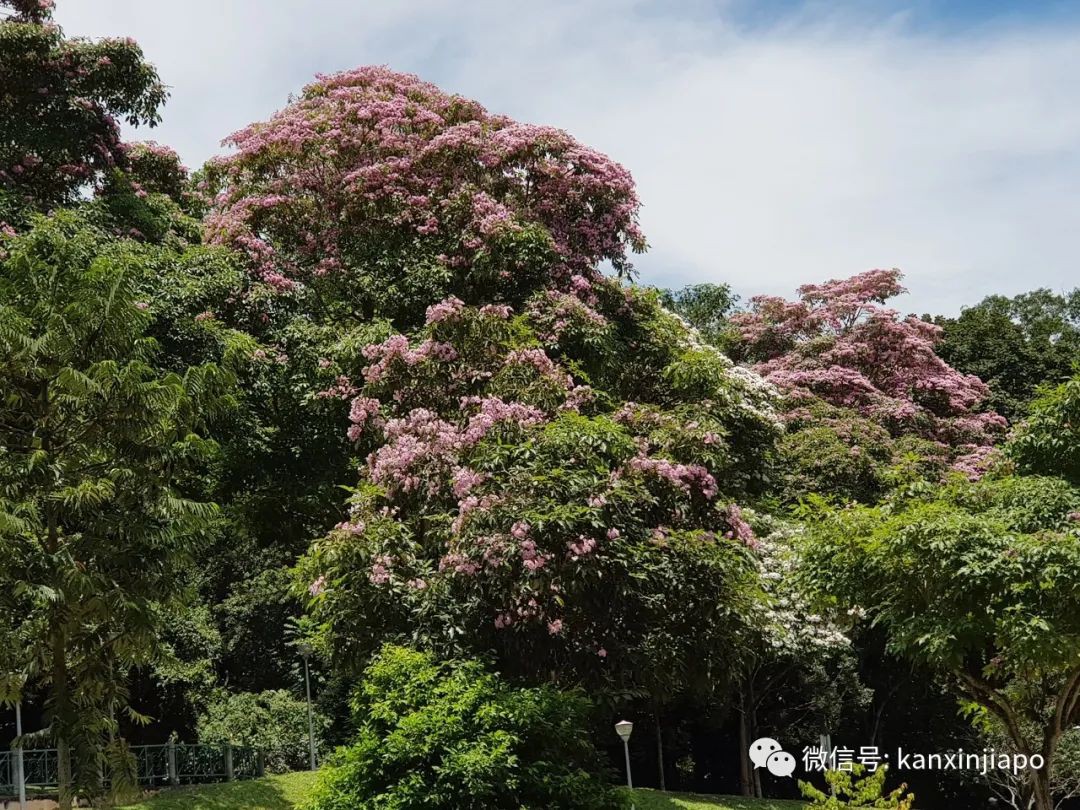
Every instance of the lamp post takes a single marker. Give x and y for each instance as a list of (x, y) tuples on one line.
[(624, 728), (305, 650)]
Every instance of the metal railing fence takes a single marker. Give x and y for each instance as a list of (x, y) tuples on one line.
[(155, 766)]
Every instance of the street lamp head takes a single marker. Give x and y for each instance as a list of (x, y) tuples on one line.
[(306, 649), (623, 728)]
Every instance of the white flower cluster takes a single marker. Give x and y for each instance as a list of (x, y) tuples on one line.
[(756, 396), (789, 622)]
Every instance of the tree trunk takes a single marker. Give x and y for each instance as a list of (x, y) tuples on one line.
[(746, 778), (1040, 783), (61, 713), (659, 748), (751, 720)]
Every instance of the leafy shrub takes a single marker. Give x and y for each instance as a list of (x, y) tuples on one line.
[(452, 735), (852, 789), (1048, 443), (275, 721)]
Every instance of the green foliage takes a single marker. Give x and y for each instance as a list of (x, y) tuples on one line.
[(102, 465), (284, 453), (1048, 442), (849, 788), (655, 800), (978, 582), (844, 456), (1015, 345), (707, 308), (835, 452), (275, 722), (451, 735), (998, 564)]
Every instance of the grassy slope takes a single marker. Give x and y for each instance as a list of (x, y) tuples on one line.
[(287, 791), (284, 792)]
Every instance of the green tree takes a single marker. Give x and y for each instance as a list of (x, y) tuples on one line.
[(60, 107), (979, 582), (101, 466), (1048, 442), (706, 307), (1015, 344), (275, 722), (506, 508)]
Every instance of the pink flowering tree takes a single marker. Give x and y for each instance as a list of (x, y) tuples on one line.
[(840, 350), (387, 194), (61, 106), (505, 505)]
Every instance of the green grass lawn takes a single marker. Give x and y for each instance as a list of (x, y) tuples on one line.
[(282, 792), (287, 791), (654, 800)]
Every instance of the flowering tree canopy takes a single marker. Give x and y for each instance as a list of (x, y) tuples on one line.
[(387, 187), (60, 106), (840, 344), (505, 503)]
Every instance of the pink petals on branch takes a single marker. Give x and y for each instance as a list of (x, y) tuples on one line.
[(377, 152)]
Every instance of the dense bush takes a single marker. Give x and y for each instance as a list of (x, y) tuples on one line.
[(851, 788), (452, 736), (275, 722)]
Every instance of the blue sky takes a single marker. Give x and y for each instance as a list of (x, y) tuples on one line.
[(774, 143)]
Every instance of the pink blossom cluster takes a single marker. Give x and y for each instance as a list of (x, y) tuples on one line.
[(975, 461), (687, 477), (493, 410), (555, 313), (582, 547), (840, 343), (384, 152), (740, 530), (465, 480), (467, 506), (421, 442), (444, 310), (397, 349), (544, 366), (501, 311), (380, 570), (342, 388), (362, 412), (354, 526), (459, 564), (531, 557)]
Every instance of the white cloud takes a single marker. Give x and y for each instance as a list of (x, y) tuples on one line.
[(765, 157)]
